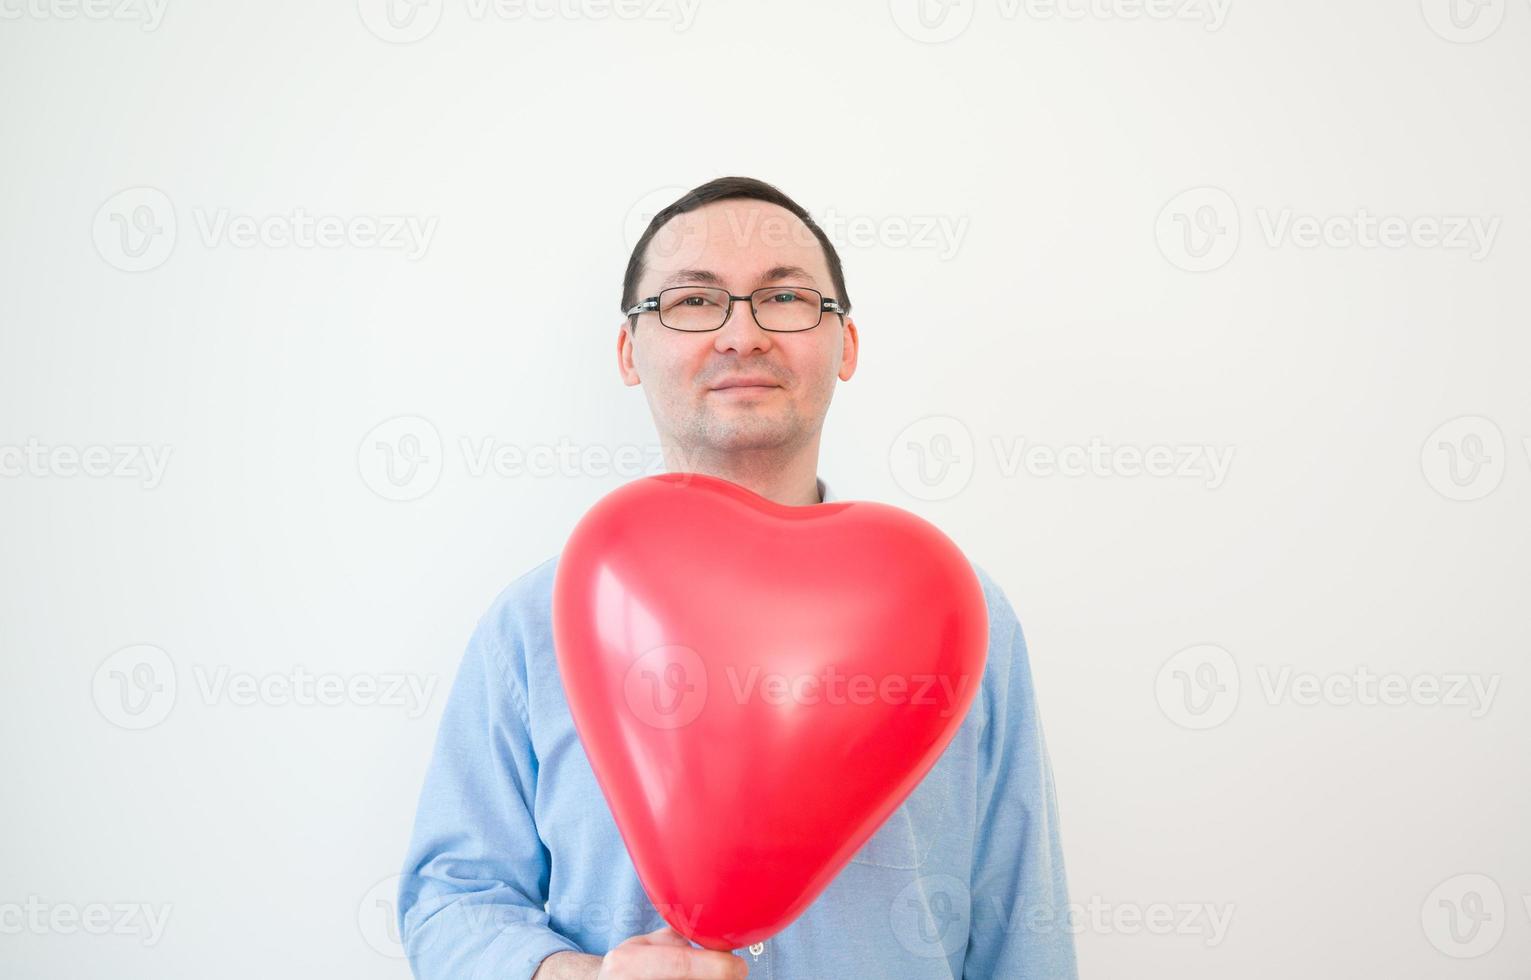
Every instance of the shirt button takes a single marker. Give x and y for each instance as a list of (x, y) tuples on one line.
[(756, 949)]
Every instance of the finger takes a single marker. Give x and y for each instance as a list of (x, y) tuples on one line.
[(714, 965), (664, 936), (676, 963)]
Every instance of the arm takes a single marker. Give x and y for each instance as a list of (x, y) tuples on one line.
[(472, 897), (1020, 925), (569, 966), (471, 903)]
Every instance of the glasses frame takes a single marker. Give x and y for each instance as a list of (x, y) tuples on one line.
[(827, 304)]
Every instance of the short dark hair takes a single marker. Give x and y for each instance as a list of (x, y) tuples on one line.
[(724, 189)]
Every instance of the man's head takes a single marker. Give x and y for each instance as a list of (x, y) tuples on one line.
[(741, 235)]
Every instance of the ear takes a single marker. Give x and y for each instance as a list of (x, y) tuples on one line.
[(851, 349), (626, 337)]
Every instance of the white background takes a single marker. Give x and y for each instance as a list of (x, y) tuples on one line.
[(1062, 304)]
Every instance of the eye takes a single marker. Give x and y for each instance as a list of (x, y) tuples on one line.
[(689, 299), (783, 296)]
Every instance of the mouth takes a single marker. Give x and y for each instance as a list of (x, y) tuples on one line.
[(744, 389), (745, 386)]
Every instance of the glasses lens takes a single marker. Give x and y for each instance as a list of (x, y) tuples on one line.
[(787, 307), (693, 307)]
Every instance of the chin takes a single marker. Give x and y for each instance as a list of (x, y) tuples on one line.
[(738, 434)]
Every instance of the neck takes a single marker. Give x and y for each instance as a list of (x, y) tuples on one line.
[(790, 479)]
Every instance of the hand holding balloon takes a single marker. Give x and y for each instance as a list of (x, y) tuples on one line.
[(667, 955)]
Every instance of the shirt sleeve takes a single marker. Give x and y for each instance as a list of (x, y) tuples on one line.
[(473, 894), (1020, 924)]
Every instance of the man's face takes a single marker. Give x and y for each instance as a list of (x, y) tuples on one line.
[(740, 245)]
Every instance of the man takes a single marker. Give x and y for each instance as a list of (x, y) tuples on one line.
[(737, 325)]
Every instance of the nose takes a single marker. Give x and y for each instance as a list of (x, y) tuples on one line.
[(740, 333)]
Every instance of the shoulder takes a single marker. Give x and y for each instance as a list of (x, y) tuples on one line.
[(1007, 672), (519, 620), (1004, 625), (530, 593)]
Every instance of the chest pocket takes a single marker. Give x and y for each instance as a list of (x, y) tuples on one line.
[(905, 837)]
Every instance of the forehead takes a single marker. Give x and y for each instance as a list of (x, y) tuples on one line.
[(736, 239)]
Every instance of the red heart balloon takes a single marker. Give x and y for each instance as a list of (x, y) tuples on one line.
[(757, 686)]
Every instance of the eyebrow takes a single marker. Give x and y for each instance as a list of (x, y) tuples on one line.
[(710, 278)]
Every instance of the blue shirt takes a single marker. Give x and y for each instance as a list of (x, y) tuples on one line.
[(515, 854)]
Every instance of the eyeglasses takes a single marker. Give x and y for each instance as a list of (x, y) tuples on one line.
[(779, 309)]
